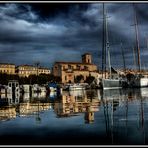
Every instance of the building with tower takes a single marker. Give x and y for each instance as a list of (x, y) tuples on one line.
[(69, 71)]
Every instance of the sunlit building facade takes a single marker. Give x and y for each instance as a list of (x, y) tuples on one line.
[(27, 70), (43, 70), (7, 68), (68, 71)]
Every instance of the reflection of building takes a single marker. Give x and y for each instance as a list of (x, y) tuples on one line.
[(7, 113), (26, 97), (31, 108), (7, 68), (40, 95), (2, 96), (71, 105), (26, 70), (89, 117), (13, 91), (68, 71)]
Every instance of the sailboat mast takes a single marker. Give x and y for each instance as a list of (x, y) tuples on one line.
[(134, 55), (137, 38), (147, 48), (107, 43), (123, 57), (104, 43)]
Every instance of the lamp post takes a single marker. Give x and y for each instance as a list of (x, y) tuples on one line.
[(37, 65)]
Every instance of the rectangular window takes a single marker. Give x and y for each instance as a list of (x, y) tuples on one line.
[(78, 67), (69, 66), (85, 67)]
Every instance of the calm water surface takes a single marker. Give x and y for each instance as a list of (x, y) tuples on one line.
[(77, 117)]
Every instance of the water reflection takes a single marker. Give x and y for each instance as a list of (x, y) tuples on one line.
[(68, 104), (74, 102), (123, 109), (119, 115)]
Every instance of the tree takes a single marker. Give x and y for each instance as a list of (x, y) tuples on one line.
[(32, 79), (89, 79), (79, 78)]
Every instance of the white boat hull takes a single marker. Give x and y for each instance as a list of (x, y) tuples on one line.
[(111, 84), (71, 88), (144, 82), (138, 82), (141, 82)]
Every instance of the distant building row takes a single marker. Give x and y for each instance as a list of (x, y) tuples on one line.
[(23, 70), (67, 71)]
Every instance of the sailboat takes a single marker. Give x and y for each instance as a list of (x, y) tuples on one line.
[(138, 79), (111, 82)]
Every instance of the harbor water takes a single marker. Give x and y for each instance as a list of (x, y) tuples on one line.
[(82, 117)]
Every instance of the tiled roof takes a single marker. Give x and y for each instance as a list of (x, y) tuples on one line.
[(26, 65), (44, 68), (74, 63), (6, 64)]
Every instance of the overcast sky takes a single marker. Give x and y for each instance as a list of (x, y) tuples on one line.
[(48, 32)]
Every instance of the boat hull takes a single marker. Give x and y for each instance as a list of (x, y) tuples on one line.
[(71, 88), (144, 82), (140, 82), (111, 84)]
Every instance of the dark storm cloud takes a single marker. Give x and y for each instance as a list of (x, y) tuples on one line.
[(49, 32)]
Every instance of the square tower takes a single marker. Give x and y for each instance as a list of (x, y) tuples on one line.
[(87, 58)]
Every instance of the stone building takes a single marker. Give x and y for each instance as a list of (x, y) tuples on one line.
[(68, 71), (43, 70), (7, 68), (26, 70)]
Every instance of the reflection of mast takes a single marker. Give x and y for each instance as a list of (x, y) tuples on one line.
[(105, 107), (38, 119), (126, 114), (142, 117), (112, 120)]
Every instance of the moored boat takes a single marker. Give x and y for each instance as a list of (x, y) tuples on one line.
[(111, 83), (75, 86)]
